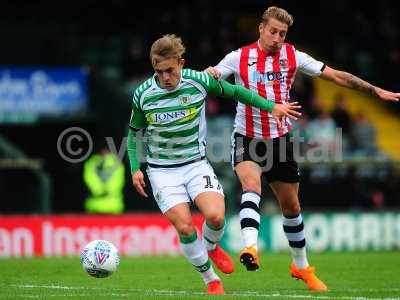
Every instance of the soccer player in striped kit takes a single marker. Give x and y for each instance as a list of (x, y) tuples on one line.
[(268, 66), (170, 106)]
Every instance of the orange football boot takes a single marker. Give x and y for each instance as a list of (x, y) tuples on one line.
[(221, 259), (249, 258), (309, 277), (215, 287)]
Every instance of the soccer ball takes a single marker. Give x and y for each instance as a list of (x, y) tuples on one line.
[(100, 258)]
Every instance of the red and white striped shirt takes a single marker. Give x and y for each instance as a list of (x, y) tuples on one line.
[(271, 75)]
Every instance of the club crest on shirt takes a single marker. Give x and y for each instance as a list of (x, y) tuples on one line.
[(283, 63), (184, 100)]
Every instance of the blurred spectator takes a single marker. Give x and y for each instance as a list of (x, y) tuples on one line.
[(204, 53), (133, 62), (322, 133), (391, 187), (377, 199), (303, 92), (356, 190), (104, 176), (315, 107), (213, 107), (300, 135), (363, 136), (340, 114), (342, 118)]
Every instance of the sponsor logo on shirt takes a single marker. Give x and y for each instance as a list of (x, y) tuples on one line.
[(268, 78), (171, 116)]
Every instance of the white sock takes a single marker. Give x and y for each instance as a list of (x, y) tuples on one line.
[(211, 235), (196, 253), (250, 218), (294, 231)]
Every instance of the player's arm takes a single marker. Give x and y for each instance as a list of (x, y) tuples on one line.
[(350, 81), (137, 122), (224, 89), (312, 67), (226, 67)]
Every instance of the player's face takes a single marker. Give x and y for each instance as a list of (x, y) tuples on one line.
[(169, 72), (272, 35)]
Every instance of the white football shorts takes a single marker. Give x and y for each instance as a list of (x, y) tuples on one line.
[(172, 186)]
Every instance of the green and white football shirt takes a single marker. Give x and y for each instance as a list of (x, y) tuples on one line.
[(175, 119)]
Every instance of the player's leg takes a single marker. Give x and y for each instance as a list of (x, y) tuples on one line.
[(293, 227), (191, 244), (283, 178), (249, 174), (284, 182), (203, 186), (212, 206), (171, 196), (244, 154)]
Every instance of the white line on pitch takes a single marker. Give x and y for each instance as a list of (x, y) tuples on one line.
[(185, 293), (75, 295)]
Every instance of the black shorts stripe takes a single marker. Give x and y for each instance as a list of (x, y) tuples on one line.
[(248, 222), (293, 229), (251, 205), (297, 244)]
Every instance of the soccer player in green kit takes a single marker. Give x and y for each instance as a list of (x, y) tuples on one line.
[(170, 106)]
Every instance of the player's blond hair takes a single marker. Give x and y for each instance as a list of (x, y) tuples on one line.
[(169, 46), (277, 13)]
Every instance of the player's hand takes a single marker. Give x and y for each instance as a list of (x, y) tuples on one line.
[(285, 110), (138, 183), (213, 72), (387, 96)]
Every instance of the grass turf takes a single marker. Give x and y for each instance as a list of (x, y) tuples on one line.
[(350, 276)]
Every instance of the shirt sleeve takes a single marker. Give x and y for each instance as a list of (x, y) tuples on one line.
[(239, 93), (229, 64), (138, 119), (308, 65), (209, 83)]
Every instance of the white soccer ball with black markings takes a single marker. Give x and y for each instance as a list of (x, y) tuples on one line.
[(100, 258)]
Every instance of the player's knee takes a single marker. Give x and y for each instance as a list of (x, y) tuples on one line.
[(251, 184), (292, 208), (216, 220), (185, 228)]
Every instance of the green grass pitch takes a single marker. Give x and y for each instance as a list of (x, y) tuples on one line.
[(350, 276)]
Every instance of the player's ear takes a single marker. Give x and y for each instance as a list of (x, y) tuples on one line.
[(261, 27), (181, 62)]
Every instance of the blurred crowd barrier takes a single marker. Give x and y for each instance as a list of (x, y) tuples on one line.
[(151, 234)]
